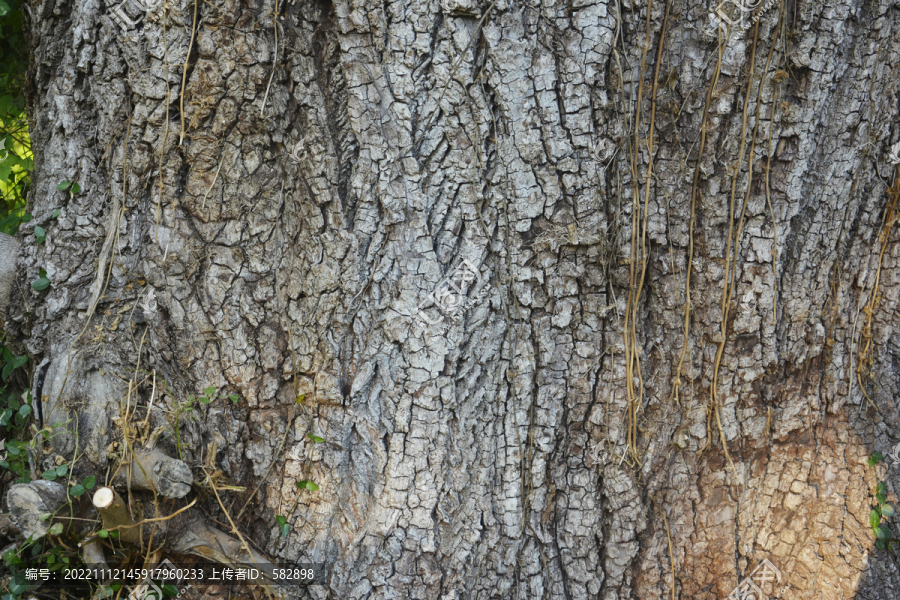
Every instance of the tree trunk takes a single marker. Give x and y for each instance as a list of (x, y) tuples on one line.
[(667, 359)]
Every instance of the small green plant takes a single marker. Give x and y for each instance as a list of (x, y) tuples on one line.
[(305, 484), (283, 526), (16, 409), (876, 458), (69, 187), (79, 489), (53, 474), (42, 282), (884, 538)]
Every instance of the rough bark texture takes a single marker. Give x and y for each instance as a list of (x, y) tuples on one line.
[(339, 161)]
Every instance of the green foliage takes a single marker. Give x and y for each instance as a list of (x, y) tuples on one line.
[(35, 554), (316, 439), (305, 484), (15, 411), (283, 525), (41, 283), (884, 539), (16, 159), (79, 489), (53, 474)]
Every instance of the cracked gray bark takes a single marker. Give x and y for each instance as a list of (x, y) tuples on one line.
[(340, 160)]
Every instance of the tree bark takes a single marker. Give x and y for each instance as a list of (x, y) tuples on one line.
[(679, 303)]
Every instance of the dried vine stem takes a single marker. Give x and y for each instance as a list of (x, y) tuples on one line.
[(890, 219), (676, 385), (162, 150), (632, 355), (187, 57), (729, 267), (274, 66), (728, 287)]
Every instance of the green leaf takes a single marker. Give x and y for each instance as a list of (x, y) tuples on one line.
[(876, 458), (76, 189), (114, 535), (880, 488), (63, 186), (874, 518), (45, 516), (19, 584), (209, 391), (103, 533), (62, 470), (882, 533), (4, 10), (49, 474), (89, 482), (285, 530), (280, 520), (234, 398), (315, 438), (12, 365), (40, 234), (56, 529), (55, 214), (311, 486), (204, 400), (887, 510), (170, 590), (880, 498), (77, 490), (41, 283), (300, 398), (880, 543), (25, 410)]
